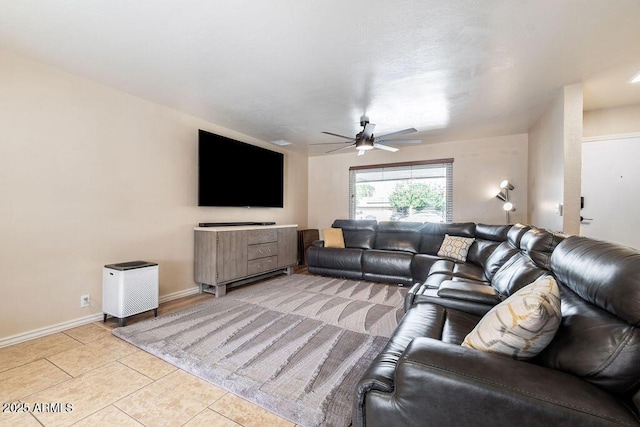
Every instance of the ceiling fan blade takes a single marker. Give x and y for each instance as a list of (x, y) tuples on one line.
[(340, 136), (385, 147), (341, 148), (368, 131), (331, 143), (400, 141), (394, 134)]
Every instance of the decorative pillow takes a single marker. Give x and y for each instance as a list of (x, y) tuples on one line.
[(455, 247), (522, 325), (333, 238)]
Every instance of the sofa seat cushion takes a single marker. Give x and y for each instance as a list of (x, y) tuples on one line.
[(469, 271), (455, 269), (423, 320), (456, 293), (435, 280), (439, 385), (349, 259), (468, 291), (387, 266)]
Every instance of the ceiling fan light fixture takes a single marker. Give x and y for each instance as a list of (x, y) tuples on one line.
[(364, 145), (365, 140)]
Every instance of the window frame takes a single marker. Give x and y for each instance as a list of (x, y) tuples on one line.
[(436, 163)]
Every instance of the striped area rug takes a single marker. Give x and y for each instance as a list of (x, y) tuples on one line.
[(295, 345)]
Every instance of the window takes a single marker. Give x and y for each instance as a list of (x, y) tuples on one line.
[(413, 191)]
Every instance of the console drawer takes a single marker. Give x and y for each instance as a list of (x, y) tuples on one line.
[(262, 236), (261, 265), (262, 250)]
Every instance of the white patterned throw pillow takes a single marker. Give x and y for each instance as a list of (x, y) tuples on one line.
[(455, 247), (522, 325)]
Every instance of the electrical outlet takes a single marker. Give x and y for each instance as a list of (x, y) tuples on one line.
[(85, 301)]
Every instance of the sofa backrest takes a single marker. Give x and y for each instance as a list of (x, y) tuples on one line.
[(516, 273), (599, 337), (432, 234), (539, 244), (398, 236), (527, 263), (500, 255), (515, 233), (357, 233), (488, 238), (505, 250)]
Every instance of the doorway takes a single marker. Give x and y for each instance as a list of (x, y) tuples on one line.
[(610, 188)]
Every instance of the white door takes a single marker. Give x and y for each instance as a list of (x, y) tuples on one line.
[(610, 187)]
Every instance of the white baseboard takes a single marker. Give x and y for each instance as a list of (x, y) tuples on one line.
[(179, 294), (59, 327)]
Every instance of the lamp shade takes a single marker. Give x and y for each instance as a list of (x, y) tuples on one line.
[(506, 185), (508, 207), (502, 196)]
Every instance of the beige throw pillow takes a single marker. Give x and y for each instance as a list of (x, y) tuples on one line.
[(455, 247), (522, 325), (333, 238)]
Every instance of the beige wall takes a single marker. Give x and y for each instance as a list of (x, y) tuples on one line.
[(573, 128), (91, 176), (612, 121), (546, 167), (555, 160), (479, 166)]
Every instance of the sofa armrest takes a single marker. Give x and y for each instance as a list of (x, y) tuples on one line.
[(468, 291), (318, 243), (408, 299), (438, 383)]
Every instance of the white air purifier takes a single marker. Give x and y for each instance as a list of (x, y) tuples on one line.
[(129, 288)]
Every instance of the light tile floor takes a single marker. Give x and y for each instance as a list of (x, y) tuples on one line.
[(88, 377)]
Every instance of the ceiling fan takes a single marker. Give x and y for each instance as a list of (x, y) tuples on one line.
[(365, 140)]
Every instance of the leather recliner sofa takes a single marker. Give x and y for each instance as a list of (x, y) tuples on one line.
[(501, 260), (589, 375)]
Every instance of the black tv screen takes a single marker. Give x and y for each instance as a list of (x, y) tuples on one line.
[(234, 173)]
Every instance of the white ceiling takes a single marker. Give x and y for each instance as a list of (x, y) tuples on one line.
[(290, 69)]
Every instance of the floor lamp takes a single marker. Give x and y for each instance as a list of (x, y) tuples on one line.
[(505, 187)]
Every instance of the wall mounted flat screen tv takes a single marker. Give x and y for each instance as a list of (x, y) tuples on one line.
[(234, 173)]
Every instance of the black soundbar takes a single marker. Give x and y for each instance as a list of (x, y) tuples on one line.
[(232, 224)]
